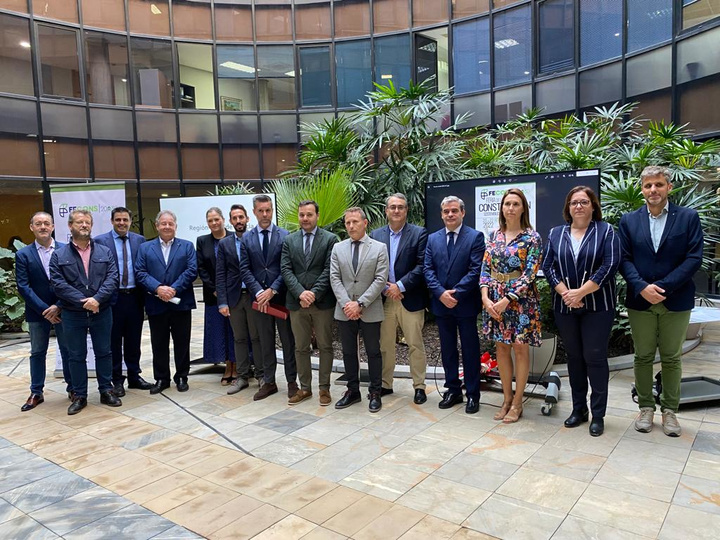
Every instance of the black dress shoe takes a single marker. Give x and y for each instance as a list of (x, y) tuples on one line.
[(159, 386), (33, 401), (78, 404), (386, 391), (375, 402), (140, 384), (182, 386), (119, 390), (71, 395), (110, 399), (349, 398), (597, 427), (473, 406), (576, 418), (420, 396), (450, 400)]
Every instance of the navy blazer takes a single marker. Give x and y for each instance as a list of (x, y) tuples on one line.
[(461, 272), (228, 282), (257, 273), (72, 286), (207, 266), (135, 240), (409, 261), (598, 260), (33, 283), (179, 273), (672, 268)]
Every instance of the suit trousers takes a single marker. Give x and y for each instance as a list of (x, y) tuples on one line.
[(76, 325), (349, 331), (265, 328), (126, 336), (175, 324), (303, 322), (39, 341), (448, 328), (585, 335), (411, 323), (239, 321), (658, 329)]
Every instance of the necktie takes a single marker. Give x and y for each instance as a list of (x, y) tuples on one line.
[(125, 270), (265, 243), (451, 244), (356, 254), (307, 247)]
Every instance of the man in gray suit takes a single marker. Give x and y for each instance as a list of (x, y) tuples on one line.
[(305, 268), (358, 275)]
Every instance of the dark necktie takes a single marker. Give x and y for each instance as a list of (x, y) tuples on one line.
[(356, 254), (265, 243), (308, 236), (451, 244), (125, 270)]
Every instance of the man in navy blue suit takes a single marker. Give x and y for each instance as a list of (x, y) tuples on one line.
[(260, 254), (405, 296), (42, 311), (127, 304), (166, 267), (453, 260), (662, 246)]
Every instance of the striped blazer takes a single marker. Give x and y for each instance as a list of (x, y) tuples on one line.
[(597, 260)]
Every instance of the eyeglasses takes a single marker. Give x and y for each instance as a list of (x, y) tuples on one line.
[(583, 203)]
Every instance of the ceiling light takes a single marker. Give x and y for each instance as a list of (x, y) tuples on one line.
[(40, 191), (526, 72), (237, 67), (505, 43), (123, 80), (290, 73), (25, 44), (386, 76), (163, 194), (155, 9), (617, 34)]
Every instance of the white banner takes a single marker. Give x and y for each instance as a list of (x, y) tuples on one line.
[(487, 205)]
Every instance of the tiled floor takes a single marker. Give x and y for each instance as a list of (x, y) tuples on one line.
[(204, 463)]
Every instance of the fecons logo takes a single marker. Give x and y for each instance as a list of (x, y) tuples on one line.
[(65, 208)]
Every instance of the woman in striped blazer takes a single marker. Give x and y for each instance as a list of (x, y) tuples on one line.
[(580, 262)]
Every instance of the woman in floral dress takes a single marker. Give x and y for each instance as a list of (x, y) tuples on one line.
[(511, 316)]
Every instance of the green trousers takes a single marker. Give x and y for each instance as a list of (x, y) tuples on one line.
[(658, 328)]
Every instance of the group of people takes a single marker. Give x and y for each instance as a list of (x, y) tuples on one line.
[(265, 281)]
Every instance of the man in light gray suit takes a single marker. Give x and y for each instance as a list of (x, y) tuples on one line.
[(358, 275)]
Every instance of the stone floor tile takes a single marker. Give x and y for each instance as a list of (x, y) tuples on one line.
[(210, 512), (157, 488), (238, 475), (357, 515), (384, 479), (326, 431), (633, 453), (182, 494), (321, 533), (391, 525), (286, 421), (579, 440), (8, 511), (476, 471), (302, 495), (707, 442), (543, 489), (130, 523), (203, 467), (702, 465), (468, 534), (287, 450), (148, 439), (501, 448), (47, 491), (252, 436), (431, 527), (273, 480), (650, 481), (682, 522), (33, 469), (333, 502), (698, 494), (250, 524), (505, 517), (423, 456), (26, 528), (566, 463), (431, 496), (574, 528), (141, 478), (685, 440), (177, 533), (172, 448), (288, 527)]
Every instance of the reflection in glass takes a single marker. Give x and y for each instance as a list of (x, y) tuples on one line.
[(107, 69), (511, 103), (111, 124), (21, 6), (200, 161), (431, 57), (278, 158), (66, 158), (278, 128), (241, 162), (390, 15), (19, 154), (352, 71), (497, 4), (236, 78), (315, 76), (196, 128), (240, 129), (156, 126), (601, 85), (471, 56), (312, 19), (429, 12), (654, 106), (152, 73), (276, 77), (649, 22), (63, 10), (104, 13), (114, 159), (392, 60), (59, 62), (27, 197), (192, 19), (352, 18), (649, 72), (273, 23), (694, 13), (233, 20), (151, 193), (158, 161), (197, 89), (694, 60), (149, 17), (513, 46), (600, 30), (556, 95), (465, 8), (557, 37), (15, 56), (694, 99)]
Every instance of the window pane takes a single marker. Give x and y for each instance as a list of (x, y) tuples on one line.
[(497, 4), (352, 71), (20, 6), (479, 106), (695, 13), (429, 12), (111, 124), (471, 56), (59, 62), (392, 60), (278, 158), (197, 87), (513, 46), (390, 15), (697, 56), (655, 106), (149, 17), (200, 161), (273, 23), (431, 57), (649, 72), (276, 77), (694, 97), (315, 76), (107, 69), (279, 129), (649, 23), (352, 18), (239, 129), (600, 30), (465, 8), (152, 192), (601, 85), (236, 78), (156, 127), (114, 160), (66, 158), (15, 56), (64, 121), (192, 19), (64, 10), (104, 13), (27, 197), (312, 19), (19, 154), (241, 162), (511, 103), (557, 40), (153, 74), (556, 95), (158, 161), (233, 20), (198, 128)]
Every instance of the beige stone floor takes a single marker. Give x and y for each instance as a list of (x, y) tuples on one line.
[(227, 467)]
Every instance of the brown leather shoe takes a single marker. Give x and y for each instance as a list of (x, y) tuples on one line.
[(325, 398), (33, 401), (292, 389), (267, 389), (299, 397)]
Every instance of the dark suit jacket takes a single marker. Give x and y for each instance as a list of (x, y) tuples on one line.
[(71, 285), (461, 273), (179, 273), (672, 268), (409, 262), (315, 276), (257, 273), (135, 240), (33, 284), (207, 264), (228, 282)]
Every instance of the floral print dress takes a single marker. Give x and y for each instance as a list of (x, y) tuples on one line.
[(521, 320)]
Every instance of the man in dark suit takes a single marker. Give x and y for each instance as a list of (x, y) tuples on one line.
[(85, 278), (405, 295), (127, 304), (166, 267), (453, 260), (662, 246), (305, 267), (42, 310), (260, 271)]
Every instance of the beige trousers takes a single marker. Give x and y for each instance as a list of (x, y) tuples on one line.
[(303, 321), (411, 323)]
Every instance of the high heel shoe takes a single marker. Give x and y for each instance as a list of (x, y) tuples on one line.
[(503, 411), (513, 414)]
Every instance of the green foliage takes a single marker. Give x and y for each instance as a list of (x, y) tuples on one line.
[(12, 306), (241, 188)]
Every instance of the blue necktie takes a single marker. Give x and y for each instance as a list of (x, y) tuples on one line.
[(451, 244), (265, 243)]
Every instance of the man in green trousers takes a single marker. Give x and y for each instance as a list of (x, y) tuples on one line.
[(662, 246)]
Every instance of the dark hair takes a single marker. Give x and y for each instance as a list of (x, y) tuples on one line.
[(594, 202), (262, 198), (238, 207), (525, 218), (120, 209), (308, 202)]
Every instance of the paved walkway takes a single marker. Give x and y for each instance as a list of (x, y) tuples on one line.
[(227, 467)]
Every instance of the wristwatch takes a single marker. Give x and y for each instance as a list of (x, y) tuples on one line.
[(274, 292), (361, 304)]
